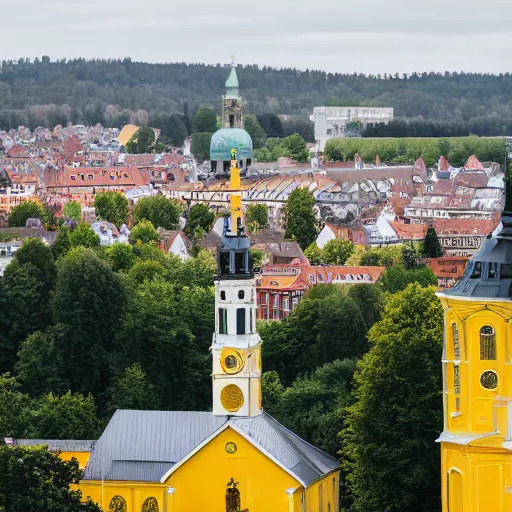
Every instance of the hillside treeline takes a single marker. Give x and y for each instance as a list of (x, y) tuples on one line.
[(402, 150), (89, 91)]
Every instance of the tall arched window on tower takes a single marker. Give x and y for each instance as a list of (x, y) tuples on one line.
[(456, 346), (487, 343)]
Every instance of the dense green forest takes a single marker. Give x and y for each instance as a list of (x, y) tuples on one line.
[(115, 91), (86, 329)]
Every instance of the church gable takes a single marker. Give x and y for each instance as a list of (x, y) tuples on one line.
[(226, 462)]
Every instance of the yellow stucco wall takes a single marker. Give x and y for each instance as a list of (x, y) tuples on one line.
[(201, 482), (81, 457), (477, 476)]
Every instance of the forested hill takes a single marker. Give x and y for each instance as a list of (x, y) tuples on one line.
[(88, 87)]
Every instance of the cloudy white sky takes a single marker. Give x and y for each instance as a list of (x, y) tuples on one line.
[(368, 36)]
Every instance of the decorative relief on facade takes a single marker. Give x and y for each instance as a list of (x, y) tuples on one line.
[(232, 361), (232, 398)]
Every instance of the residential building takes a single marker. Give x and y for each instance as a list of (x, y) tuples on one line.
[(15, 187), (331, 122), (280, 287)]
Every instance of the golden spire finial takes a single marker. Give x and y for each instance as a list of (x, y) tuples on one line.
[(232, 60)]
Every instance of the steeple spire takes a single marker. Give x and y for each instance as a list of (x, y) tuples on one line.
[(231, 102)]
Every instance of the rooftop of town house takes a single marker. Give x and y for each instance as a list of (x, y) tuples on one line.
[(409, 231), (96, 176), (465, 226)]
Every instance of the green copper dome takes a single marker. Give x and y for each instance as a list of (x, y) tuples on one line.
[(226, 139)]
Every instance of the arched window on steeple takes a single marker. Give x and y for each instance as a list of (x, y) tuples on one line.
[(487, 343)]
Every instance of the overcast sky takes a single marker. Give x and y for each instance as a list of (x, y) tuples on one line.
[(367, 36)]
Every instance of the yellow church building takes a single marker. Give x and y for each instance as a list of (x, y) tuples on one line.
[(236, 458), (476, 444)]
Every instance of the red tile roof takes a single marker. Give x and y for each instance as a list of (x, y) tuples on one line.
[(474, 164), (448, 266), (409, 231), (443, 164), (470, 179), (126, 177), (341, 275), (465, 226)]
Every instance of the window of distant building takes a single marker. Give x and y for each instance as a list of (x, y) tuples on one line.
[(487, 343), (241, 294), (150, 505), (117, 504), (222, 295)]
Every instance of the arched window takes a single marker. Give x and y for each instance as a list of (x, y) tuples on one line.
[(241, 294), (117, 504), (454, 490), (487, 343), (456, 346), (150, 505), (233, 501)]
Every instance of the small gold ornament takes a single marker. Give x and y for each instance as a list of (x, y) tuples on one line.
[(231, 448)]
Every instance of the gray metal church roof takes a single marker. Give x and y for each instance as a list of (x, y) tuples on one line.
[(145, 445), (489, 272)]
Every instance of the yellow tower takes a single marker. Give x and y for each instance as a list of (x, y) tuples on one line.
[(236, 347), (476, 444)]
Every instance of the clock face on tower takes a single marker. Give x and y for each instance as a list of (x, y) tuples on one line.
[(232, 361)]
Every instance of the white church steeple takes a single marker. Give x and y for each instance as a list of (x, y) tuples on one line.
[(236, 346)]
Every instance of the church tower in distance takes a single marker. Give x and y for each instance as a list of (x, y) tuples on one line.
[(236, 346), (232, 103), (476, 444)]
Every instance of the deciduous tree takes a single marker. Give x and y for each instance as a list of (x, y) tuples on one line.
[(83, 236), (35, 480), (145, 233), (159, 210), (199, 221), (205, 120), (112, 207), (73, 211), (388, 450), (89, 304), (300, 218), (24, 211)]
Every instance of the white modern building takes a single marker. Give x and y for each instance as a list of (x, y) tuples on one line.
[(331, 122)]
